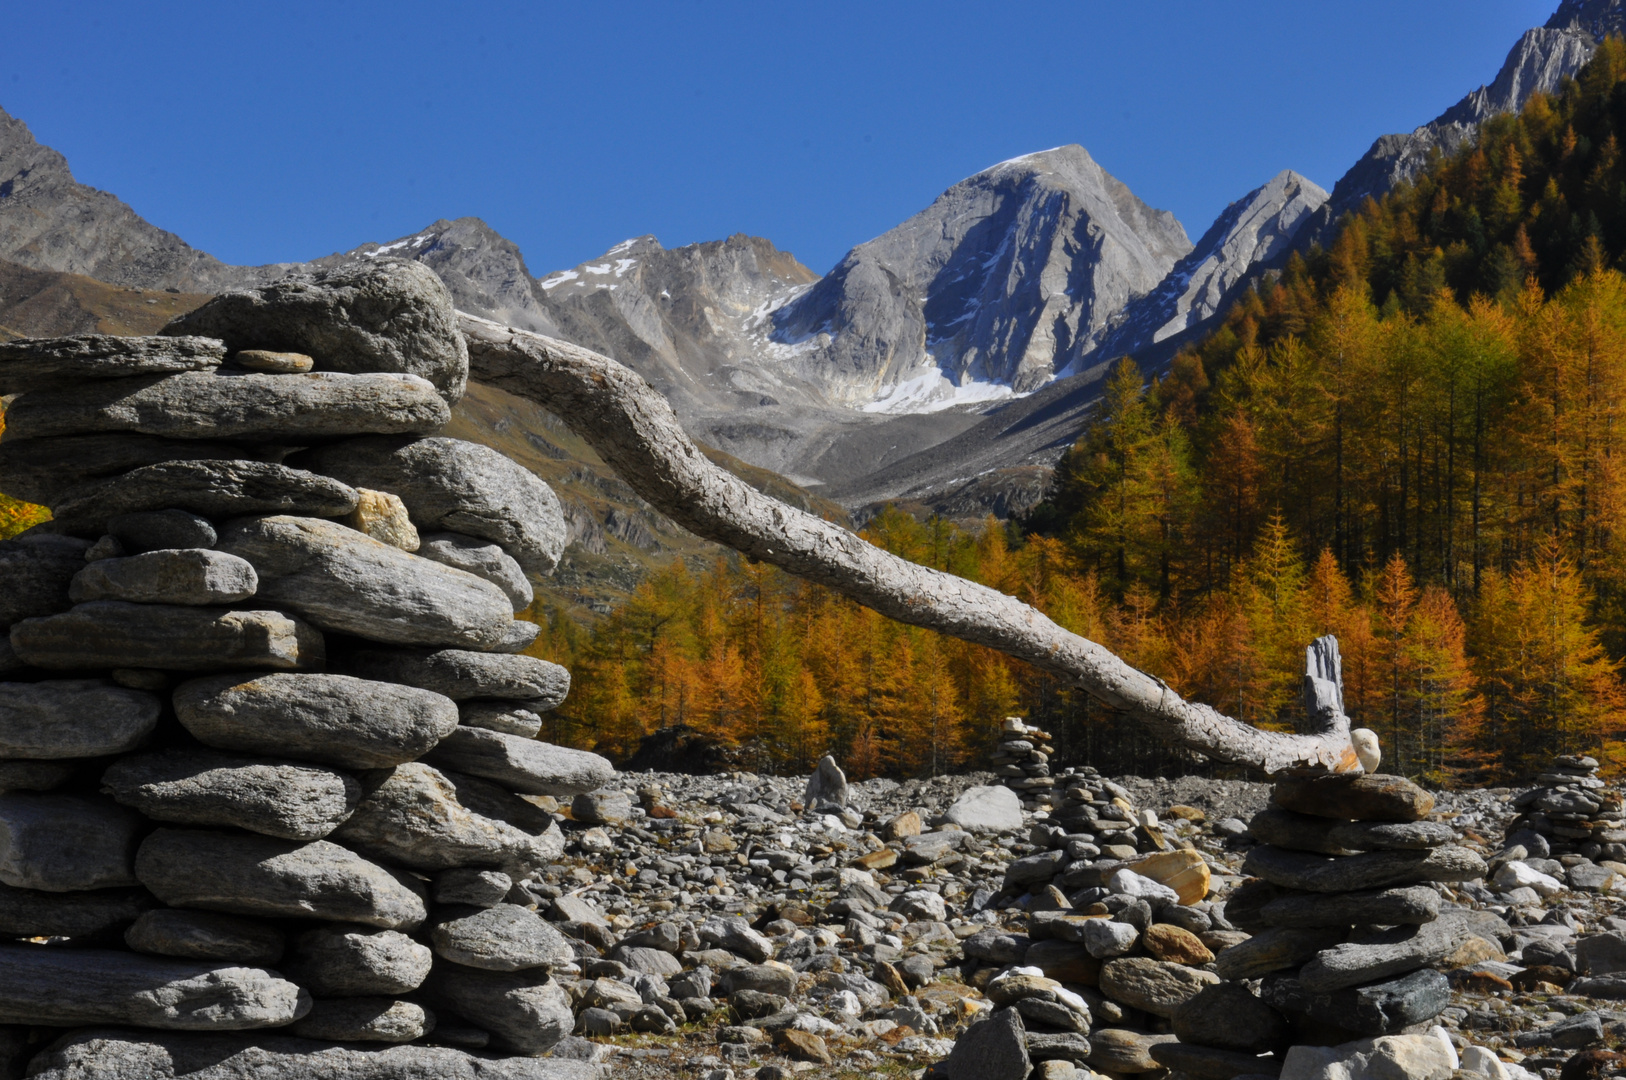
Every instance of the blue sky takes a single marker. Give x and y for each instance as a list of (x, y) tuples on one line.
[(267, 132)]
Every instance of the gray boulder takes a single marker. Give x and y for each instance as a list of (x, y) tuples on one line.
[(461, 674), (381, 315), (511, 717), (335, 719), (114, 1055), (89, 915), (72, 987), (524, 765), (1381, 1008), (356, 961), (991, 1049), (170, 576), (242, 407), (1381, 954), (827, 787), (504, 937), (482, 558), (203, 787), (345, 581), (215, 489), (115, 634), (73, 718), (990, 808), (470, 886), (60, 843), (256, 875), (155, 530), (37, 570), (410, 815), (50, 471), (369, 1019), (525, 1009), (457, 486), (41, 363), (205, 935)]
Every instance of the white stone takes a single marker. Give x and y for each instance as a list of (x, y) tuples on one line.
[(986, 809), (1519, 875), (1387, 1057), (1479, 1060), (1104, 938)]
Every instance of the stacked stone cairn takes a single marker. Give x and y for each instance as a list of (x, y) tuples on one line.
[(268, 753), (1022, 762), (1569, 811), (1092, 804)]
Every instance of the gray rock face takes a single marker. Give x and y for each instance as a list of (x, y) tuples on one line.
[(60, 843), (73, 718), (48, 471), (71, 987), (86, 915), (37, 570), (503, 937), (342, 580), (458, 486), (254, 875), (461, 674), (411, 816), (202, 787), (1009, 276), (365, 1020), (995, 1049), (354, 961), (336, 719), (524, 1009), (524, 765), (212, 488), (510, 717), (39, 363), (249, 407), (205, 935), (113, 1055), (155, 530), (173, 576), (482, 558), (384, 315), (114, 634)]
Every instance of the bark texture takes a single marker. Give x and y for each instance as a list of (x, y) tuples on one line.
[(633, 428)]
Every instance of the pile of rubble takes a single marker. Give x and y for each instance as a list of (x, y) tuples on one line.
[(1570, 811), (271, 789)]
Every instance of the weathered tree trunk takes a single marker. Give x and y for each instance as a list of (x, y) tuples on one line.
[(633, 428)]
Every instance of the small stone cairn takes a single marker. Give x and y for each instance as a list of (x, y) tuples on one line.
[(270, 788), (1569, 811), (1022, 762)]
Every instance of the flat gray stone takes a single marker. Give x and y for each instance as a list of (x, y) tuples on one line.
[(256, 875), (284, 799), (73, 987), (1304, 832), (991, 1049), (382, 315), (1274, 949), (510, 717), (1154, 986), (93, 914), (368, 1019), (115, 634), (482, 558), (243, 407), (471, 886), (1361, 797), (154, 530), (1383, 907), (37, 570), (517, 636), (611, 807), (411, 816), (991, 808), (170, 576), (44, 363), (525, 1009), (216, 489), (462, 675), (457, 486), (525, 765), (1379, 955), (346, 581), (62, 843), (205, 935), (73, 718), (503, 937), (1230, 1017), (1373, 869), (493, 800), (1382, 1008), (356, 961), (334, 719), (124, 1055), (51, 471)]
